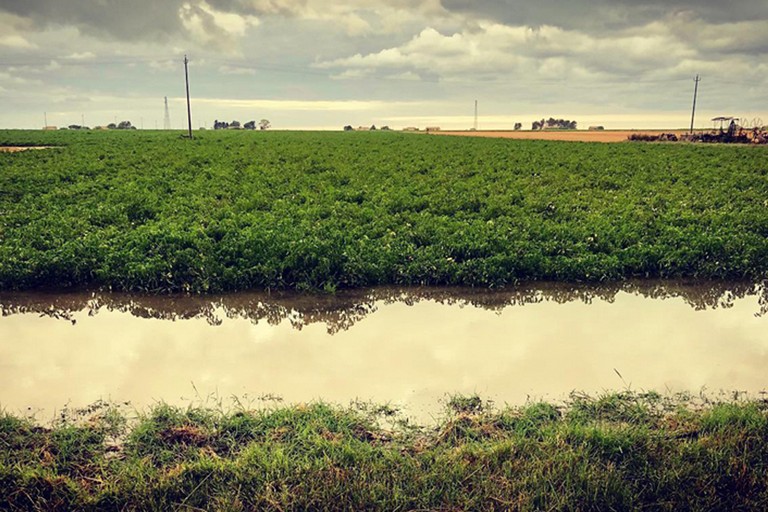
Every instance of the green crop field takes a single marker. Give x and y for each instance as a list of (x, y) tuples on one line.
[(257, 210)]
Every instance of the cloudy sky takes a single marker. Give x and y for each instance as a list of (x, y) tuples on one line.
[(323, 64)]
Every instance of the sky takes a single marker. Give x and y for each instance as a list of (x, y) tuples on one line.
[(315, 64)]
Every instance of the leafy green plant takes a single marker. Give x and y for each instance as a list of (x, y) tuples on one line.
[(242, 210)]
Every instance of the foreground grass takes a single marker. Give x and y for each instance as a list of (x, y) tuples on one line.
[(242, 210), (622, 451)]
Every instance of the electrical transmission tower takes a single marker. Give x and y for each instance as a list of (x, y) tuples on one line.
[(167, 120)]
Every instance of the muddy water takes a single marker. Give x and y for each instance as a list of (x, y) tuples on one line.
[(16, 149), (409, 347)]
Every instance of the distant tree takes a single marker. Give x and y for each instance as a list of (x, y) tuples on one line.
[(373, 127), (124, 125), (250, 125), (385, 128), (235, 125), (264, 124), (518, 126), (112, 126), (348, 128), (552, 123), (220, 125)]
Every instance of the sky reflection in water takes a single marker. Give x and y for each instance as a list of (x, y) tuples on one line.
[(405, 346)]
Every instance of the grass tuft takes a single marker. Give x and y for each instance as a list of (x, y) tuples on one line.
[(617, 451)]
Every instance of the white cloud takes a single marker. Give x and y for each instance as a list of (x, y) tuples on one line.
[(408, 75), (16, 41), (233, 24), (549, 53), (233, 70), (209, 26), (353, 74), (15, 80), (164, 65), (81, 56)]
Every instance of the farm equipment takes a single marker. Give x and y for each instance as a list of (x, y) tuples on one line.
[(735, 133), (730, 131)]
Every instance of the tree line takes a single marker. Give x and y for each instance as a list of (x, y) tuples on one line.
[(264, 124), (552, 123)]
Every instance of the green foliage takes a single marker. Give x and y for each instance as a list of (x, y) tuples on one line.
[(586, 454), (241, 210)]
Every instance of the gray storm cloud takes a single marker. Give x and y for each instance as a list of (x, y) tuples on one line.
[(606, 14), (140, 19), (132, 19)]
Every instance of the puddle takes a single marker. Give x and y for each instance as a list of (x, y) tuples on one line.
[(16, 149), (409, 347)]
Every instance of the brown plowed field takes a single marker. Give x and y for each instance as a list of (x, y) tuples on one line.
[(579, 136)]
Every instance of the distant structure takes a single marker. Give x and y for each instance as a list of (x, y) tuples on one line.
[(724, 120), (475, 126), (433, 128), (167, 119)]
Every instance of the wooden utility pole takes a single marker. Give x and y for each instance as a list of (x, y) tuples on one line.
[(695, 93), (189, 107)]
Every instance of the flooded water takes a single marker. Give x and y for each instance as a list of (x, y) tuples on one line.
[(408, 347)]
